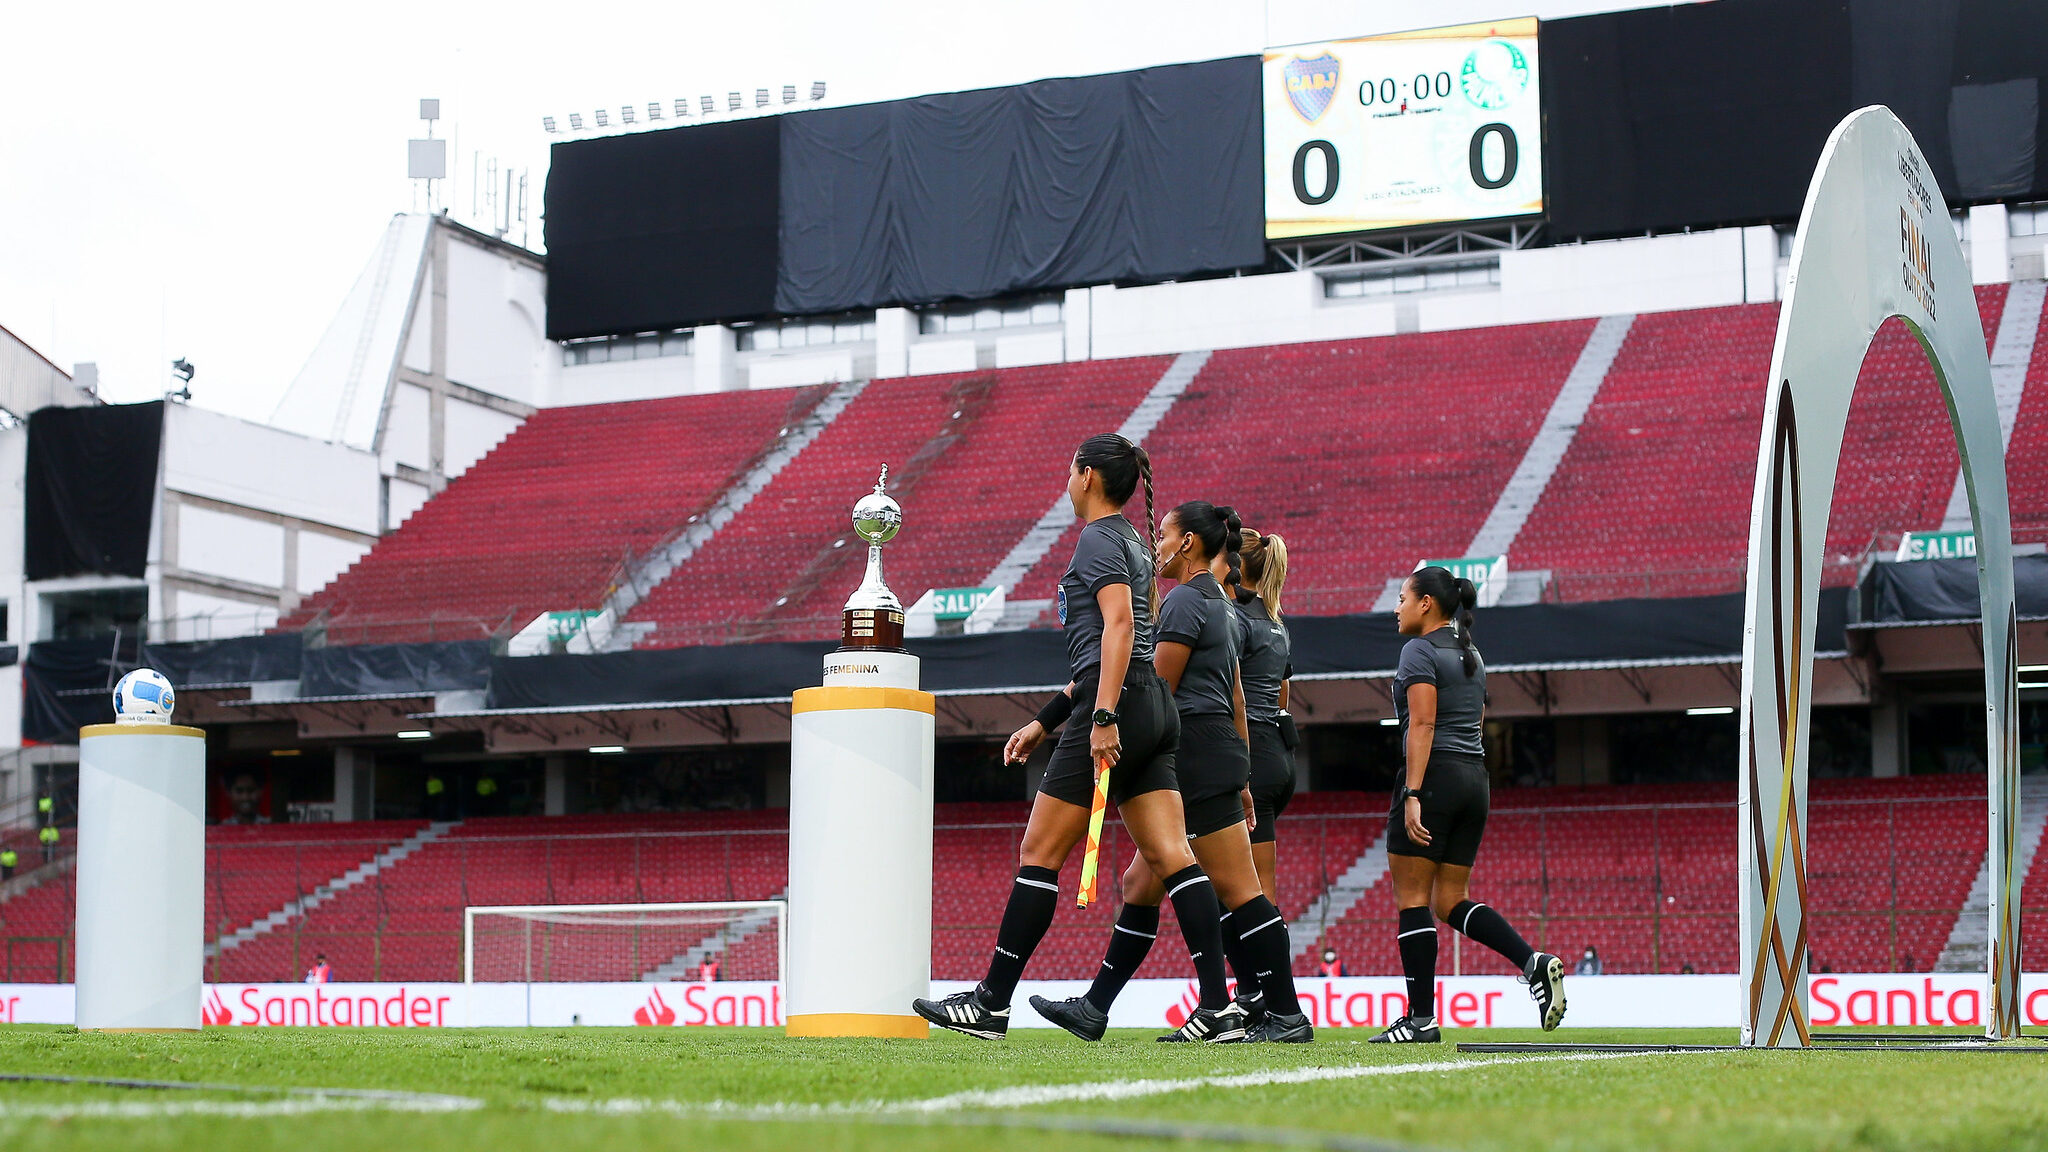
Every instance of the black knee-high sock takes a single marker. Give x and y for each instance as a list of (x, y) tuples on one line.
[(1195, 906), (1261, 934), (1242, 964), (1492, 929), (1129, 942), (1025, 919), (1417, 941)]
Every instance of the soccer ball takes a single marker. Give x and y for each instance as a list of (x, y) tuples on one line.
[(144, 697)]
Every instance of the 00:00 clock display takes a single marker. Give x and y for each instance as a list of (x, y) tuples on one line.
[(1385, 91)]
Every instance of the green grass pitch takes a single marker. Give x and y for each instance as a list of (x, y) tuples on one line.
[(507, 1090)]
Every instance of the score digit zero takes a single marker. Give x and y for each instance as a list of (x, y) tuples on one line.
[(1511, 159)]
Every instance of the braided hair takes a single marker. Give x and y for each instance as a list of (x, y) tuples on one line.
[(1122, 465), (1457, 597)]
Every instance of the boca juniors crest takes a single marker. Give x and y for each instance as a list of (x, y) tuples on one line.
[(1311, 85)]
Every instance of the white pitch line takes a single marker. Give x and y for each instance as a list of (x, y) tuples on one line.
[(237, 1109), (1030, 1095)]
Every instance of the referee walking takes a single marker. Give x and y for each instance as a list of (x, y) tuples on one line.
[(1439, 813), (1107, 606), (1200, 639)]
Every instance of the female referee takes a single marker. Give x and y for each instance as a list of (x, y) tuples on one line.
[(1200, 637), (1106, 603), (1267, 665), (1439, 813)]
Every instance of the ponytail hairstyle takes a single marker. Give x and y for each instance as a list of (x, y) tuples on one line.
[(1456, 596), (1220, 532), (1122, 465), (1265, 566)]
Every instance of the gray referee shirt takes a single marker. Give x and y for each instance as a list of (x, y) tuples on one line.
[(1110, 551), (1460, 701), (1265, 664), (1197, 614)]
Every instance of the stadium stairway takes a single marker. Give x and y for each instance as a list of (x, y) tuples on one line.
[(993, 445), (2013, 341), (1969, 941), (1335, 445), (301, 905), (544, 521)]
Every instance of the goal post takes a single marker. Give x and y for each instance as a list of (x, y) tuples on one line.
[(608, 943)]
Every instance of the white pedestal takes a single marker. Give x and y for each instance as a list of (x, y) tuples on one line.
[(860, 850), (141, 876)]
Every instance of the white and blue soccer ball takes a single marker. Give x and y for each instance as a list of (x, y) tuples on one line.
[(144, 697)]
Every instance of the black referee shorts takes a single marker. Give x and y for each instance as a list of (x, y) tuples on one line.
[(1454, 804), (1213, 766), (1272, 779), (1148, 728)]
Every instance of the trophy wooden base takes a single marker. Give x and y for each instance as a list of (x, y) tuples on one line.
[(878, 629)]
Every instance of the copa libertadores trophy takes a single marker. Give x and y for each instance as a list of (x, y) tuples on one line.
[(874, 617), (860, 788)]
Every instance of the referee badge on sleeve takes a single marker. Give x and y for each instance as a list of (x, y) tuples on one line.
[(1061, 594)]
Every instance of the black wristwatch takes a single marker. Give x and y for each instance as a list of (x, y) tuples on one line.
[(1402, 794), (1104, 718)]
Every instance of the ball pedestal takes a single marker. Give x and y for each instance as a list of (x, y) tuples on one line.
[(860, 849), (141, 876)]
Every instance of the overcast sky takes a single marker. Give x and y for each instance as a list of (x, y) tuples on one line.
[(206, 180)]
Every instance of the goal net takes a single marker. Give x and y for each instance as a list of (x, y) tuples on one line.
[(534, 943)]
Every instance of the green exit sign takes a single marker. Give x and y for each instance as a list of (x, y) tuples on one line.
[(958, 603), (1938, 546)]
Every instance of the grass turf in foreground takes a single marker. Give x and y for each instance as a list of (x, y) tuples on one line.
[(1774, 1100)]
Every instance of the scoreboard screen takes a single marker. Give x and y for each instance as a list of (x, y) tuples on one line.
[(1403, 129)]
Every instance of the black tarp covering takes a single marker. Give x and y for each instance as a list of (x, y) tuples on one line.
[(657, 230), (1146, 175), (1695, 115), (65, 685), (239, 660), (1543, 633), (1946, 590), (733, 672), (372, 669), (90, 490), (1692, 114), (1557, 633)]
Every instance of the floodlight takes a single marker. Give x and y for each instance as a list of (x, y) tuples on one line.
[(817, 89), (708, 104), (430, 109), (602, 120), (607, 749), (732, 101), (416, 734), (654, 109), (789, 93), (1391, 722), (548, 122), (625, 114), (575, 121), (682, 107), (760, 97), (1710, 711)]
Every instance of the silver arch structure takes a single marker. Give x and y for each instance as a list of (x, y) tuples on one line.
[(1874, 242)]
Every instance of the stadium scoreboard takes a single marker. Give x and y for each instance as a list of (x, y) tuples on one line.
[(1403, 129)]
